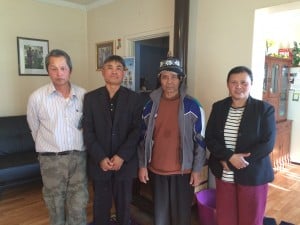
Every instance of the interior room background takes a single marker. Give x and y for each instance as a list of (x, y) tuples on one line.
[(218, 40), (222, 34)]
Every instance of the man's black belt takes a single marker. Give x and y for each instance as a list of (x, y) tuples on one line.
[(58, 153)]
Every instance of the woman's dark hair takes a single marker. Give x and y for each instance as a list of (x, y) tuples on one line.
[(240, 69), (58, 53)]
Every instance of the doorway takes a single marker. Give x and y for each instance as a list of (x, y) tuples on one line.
[(280, 25), (148, 54)]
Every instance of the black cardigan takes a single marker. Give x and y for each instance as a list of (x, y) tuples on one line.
[(256, 135)]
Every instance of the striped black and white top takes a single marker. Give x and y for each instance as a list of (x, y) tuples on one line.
[(231, 130)]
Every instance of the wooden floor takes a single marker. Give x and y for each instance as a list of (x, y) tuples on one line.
[(284, 195), (24, 205)]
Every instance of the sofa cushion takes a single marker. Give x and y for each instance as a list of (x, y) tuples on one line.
[(18, 159), (13, 176), (15, 135)]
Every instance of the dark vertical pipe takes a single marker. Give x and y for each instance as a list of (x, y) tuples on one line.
[(181, 28)]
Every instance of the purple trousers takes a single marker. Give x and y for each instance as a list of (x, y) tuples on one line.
[(240, 204)]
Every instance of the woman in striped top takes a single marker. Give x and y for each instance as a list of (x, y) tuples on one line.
[(240, 135)]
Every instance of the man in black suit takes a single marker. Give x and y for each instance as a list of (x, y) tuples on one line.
[(111, 129)]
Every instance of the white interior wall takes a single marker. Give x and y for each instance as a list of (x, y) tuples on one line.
[(218, 40), (63, 27), (126, 20)]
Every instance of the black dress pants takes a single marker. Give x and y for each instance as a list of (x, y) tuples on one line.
[(106, 191), (172, 196)]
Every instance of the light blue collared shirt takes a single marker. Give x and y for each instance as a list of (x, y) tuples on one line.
[(55, 121)]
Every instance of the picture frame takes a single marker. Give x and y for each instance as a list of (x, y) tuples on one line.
[(31, 56), (104, 50), (129, 78)]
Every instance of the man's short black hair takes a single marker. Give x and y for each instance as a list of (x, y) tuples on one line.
[(116, 58)]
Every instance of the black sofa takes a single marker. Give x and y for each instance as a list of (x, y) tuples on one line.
[(18, 159)]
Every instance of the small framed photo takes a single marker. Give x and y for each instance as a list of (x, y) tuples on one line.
[(296, 97), (31, 56), (129, 78), (103, 50)]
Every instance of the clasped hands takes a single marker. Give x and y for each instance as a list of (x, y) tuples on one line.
[(237, 160), (114, 163)]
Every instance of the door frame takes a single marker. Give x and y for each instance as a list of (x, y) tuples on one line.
[(130, 40)]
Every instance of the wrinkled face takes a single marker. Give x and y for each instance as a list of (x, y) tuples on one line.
[(239, 86), (113, 73), (59, 71), (169, 83)]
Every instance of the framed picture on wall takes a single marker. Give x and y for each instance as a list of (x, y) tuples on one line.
[(104, 50), (129, 78), (31, 56)]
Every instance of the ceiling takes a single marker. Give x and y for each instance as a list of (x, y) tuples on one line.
[(81, 4)]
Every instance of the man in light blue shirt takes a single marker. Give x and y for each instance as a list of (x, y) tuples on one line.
[(54, 115)]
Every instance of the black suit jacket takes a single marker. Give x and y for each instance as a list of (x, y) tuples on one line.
[(256, 135), (104, 138)]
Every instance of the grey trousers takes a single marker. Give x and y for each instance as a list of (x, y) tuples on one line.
[(173, 197), (65, 189)]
